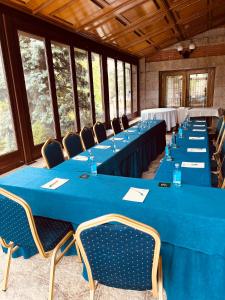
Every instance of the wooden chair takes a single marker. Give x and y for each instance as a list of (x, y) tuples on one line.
[(100, 132), (121, 253), (72, 144), (52, 153), (40, 235), (125, 122), (87, 138)]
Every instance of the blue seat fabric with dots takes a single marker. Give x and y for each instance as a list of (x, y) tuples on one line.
[(54, 154), (73, 145), (119, 256), (100, 132), (88, 138), (14, 227)]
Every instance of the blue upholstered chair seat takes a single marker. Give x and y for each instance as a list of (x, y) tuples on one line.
[(214, 180), (119, 256), (51, 231)]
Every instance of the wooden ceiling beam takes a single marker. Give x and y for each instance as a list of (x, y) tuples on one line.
[(145, 20), (62, 8), (42, 6), (108, 13), (172, 18)]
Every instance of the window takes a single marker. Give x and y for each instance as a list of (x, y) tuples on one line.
[(174, 87), (128, 88), (112, 87), (83, 88), (7, 133), (198, 86), (134, 88), (120, 77), (64, 89), (37, 86), (191, 88), (97, 85)]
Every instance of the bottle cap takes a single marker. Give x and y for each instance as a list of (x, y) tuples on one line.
[(177, 165)]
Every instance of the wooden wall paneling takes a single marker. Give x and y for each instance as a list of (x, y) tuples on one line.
[(116, 80)]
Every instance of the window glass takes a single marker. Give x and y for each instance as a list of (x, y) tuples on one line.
[(112, 87), (134, 88), (120, 76), (128, 88)]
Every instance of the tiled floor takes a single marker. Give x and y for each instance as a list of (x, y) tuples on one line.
[(29, 278)]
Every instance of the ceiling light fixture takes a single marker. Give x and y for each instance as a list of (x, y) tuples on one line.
[(185, 53)]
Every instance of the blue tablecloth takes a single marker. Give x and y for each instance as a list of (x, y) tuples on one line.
[(190, 220), (189, 175), (133, 157)]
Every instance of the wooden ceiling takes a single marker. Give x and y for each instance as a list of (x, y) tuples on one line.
[(140, 27)]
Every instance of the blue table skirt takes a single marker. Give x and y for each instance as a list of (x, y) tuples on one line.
[(133, 158), (190, 220), (189, 175)]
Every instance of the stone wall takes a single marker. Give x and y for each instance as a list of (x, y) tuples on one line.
[(149, 72)]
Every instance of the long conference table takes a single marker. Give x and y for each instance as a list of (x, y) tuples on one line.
[(190, 218)]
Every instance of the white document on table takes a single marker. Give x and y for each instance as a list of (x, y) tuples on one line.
[(54, 183), (200, 150), (196, 138), (80, 157), (199, 130), (200, 121), (103, 147), (196, 165), (136, 194), (117, 139), (130, 130), (199, 125)]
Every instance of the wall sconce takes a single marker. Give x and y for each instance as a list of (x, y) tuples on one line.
[(185, 53)]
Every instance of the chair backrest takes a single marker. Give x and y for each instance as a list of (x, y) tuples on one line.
[(125, 122), (17, 224), (72, 144), (52, 153), (219, 124), (120, 252), (116, 125), (100, 132), (87, 138)]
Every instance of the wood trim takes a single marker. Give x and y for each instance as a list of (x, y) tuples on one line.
[(117, 93), (105, 89)]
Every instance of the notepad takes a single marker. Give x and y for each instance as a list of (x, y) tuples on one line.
[(201, 150), (136, 194), (198, 125), (103, 147), (196, 138), (54, 183), (200, 121), (80, 157), (199, 130), (196, 165), (117, 139)]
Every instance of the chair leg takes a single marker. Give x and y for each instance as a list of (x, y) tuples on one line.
[(6, 272), (92, 294), (52, 276)]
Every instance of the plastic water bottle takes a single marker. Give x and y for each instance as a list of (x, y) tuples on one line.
[(154, 118), (113, 145), (180, 132), (174, 145), (93, 166), (177, 175), (167, 153)]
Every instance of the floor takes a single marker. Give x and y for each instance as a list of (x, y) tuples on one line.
[(29, 279)]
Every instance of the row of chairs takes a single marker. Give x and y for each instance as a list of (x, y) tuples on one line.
[(74, 144), (117, 251), (217, 147)]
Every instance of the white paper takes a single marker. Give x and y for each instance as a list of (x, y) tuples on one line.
[(196, 138), (130, 130), (196, 165), (117, 139), (80, 157), (199, 130), (196, 150), (54, 183), (200, 121), (198, 125), (136, 194), (102, 147)]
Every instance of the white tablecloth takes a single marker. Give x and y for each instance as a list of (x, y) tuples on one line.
[(167, 114), (197, 112)]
